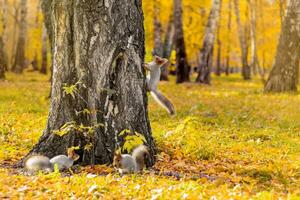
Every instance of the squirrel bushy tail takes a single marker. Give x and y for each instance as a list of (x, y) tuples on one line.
[(37, 163), (139, 154), (163, 101)]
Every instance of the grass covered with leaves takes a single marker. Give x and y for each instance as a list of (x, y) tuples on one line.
[(228, 140)]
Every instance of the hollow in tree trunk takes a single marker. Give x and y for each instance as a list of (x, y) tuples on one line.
[(285, 72), (182, 69), (98, 86)]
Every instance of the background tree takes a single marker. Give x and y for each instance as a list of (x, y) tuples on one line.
[(182, 69), (34, 62), (285, 72), (219, 47), (19, 60), (44, 51), (168, 47), (246, 70), (46, 8), (254, 63), (228, 48), (158, 45), (3, 55), (206, 52), (98, 86)]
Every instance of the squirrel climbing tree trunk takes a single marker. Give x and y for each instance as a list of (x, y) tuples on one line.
[(98, 87)]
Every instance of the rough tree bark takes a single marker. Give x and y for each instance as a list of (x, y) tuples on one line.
[(19, 60), (228, 49), (246, 70), (182, 69), (285, 72), (44, 51), (98, 51), (206, 52)]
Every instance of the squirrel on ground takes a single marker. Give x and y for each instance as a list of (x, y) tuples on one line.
[(152, 81), (133, 163), (42, 163)]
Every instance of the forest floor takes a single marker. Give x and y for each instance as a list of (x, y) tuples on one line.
[(227, 141)]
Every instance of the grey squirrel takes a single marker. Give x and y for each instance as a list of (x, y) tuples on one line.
[(133, 163), (153, 80), (42, 163)]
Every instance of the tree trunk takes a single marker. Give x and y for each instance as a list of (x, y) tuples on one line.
[(285, 72), (2, 59), (158, 45), (44, 51), (46, 8), (228, 49), (34, 62), (14, 33), (99, 86), (281, 10), (254, 63), (206, 52), (19, 61), (246, 70), (3, 55), (167, 48), (182, 69), (219, 46)]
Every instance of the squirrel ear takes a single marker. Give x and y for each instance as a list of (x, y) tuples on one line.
[(71, 152), (117, 152), (160, 60)]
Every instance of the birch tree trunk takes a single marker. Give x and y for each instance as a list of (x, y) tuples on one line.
[(46, 8), (206, 52), (246, 70), (228, 49), (35, 63), (3, 55), (2, 59), (44, 51), (98, 87), (285, 72), (158, 45), (167, 48), (254, 63), (182, 69), (19, 60), (219, 46)]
